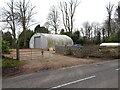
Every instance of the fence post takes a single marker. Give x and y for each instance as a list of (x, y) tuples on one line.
[(31, 53), (42, 52), (17, 50)]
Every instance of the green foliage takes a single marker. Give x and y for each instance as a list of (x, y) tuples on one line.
[(5, 46), (65, 33), (97, 38), (80, 41), (28, 37), (10, 63), (62, 32), (113, 38), (40, 29), (76, 37), (7, 36)]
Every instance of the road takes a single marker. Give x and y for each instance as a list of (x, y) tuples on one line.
[(97, 75)]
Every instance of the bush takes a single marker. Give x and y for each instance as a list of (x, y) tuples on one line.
[(113, 38), (5, 47)]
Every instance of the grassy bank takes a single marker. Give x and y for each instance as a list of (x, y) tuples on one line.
[(108, 52), (10, 67)]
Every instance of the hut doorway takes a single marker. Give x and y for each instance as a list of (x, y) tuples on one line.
[(37, 42)]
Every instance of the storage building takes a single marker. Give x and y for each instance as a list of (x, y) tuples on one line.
[(110, 44), (47, 41)]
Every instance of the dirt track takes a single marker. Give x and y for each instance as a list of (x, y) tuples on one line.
[(36, 62)]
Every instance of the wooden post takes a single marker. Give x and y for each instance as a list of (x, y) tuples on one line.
[(42, 52), (17, 50), (31, 53)]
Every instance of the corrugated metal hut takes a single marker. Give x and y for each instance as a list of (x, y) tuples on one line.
[(46, 41)]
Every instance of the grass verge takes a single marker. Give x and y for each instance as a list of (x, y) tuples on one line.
[(10, 63), (10, 67)]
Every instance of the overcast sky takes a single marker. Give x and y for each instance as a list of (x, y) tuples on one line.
[(88, 10)]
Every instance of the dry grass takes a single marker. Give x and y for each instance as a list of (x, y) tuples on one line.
[(110, 53)]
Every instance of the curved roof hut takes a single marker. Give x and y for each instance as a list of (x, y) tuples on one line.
[(47, 41)]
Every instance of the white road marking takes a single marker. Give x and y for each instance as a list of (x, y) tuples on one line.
[(73, 82), (117, 69)]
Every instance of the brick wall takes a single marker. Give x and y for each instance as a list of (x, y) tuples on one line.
[(76, 51)]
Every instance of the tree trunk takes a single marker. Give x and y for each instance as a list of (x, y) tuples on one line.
[(109, 25), (25, 39)]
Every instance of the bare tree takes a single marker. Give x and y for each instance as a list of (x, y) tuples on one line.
[(118, 11), (87, 29), (25, 13), (118, 21), (68, 11), (53, 19), (103, 34), (10, 17), (109, 8), (96, 28), (82, 32)]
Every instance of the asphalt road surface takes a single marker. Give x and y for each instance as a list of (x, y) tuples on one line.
[(98, 75)]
